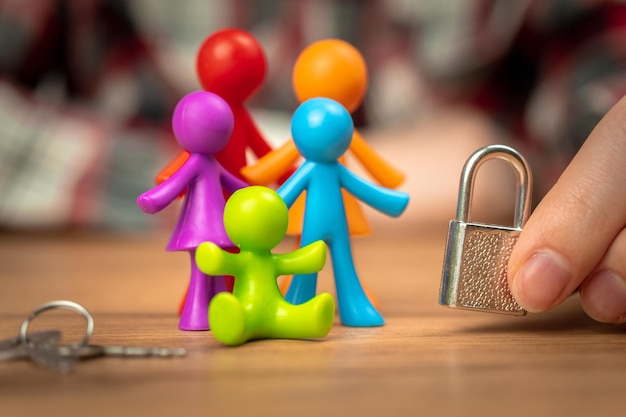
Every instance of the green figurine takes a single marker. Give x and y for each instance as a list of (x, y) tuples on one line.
[(256, 219)]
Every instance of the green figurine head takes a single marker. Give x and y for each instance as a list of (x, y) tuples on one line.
[(255, 218)]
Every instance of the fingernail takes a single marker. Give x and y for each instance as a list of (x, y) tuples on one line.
[(541, 281), (604, 297)]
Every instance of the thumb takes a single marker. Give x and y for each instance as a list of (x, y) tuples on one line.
[(573, 228)]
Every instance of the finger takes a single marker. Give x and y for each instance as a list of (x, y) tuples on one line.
[(574, 225), (603, 294)]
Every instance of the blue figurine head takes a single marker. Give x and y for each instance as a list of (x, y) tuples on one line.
[(322, 129)]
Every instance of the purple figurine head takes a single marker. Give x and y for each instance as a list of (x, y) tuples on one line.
[(202, 122)]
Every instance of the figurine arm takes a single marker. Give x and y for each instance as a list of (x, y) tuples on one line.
[(296, 184), (383, 172), (212, 260), (273, 165), (172, 167), (256, 141), (387, 201), (230, 182), (162, 195), (306, 260)]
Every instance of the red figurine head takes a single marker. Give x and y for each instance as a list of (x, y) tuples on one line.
[(231, 63)]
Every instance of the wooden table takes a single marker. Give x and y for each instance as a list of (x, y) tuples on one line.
[(426, 360)]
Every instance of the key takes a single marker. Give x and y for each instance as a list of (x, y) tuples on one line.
[(96, 351), (13, 348), (61, 358), (39, 349), (49, 357)]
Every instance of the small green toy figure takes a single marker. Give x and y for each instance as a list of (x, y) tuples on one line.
[(256, 220)]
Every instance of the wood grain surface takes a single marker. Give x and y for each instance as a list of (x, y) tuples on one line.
[(426, 360)]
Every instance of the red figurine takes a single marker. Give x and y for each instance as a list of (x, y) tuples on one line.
[(231, 63)]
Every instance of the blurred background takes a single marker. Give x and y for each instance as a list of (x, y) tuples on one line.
[(87, 88)]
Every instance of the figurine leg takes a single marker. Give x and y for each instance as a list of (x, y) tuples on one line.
[(284, 282), (303, 286), (309, 320), (181, 304), (227, 318), (355, 309), (201, 290), (215, 287)]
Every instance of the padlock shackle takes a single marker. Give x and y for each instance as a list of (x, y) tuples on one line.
[(523, 179)]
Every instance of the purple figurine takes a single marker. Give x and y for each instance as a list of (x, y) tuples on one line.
[(202, 123)]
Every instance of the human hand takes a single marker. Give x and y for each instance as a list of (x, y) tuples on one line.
[(575, 239)]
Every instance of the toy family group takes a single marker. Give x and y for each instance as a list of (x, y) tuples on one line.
[(230, 219)]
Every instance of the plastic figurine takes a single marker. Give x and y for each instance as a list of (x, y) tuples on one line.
[(231, 63), (322, 130), (256, 221), (334, 69), (202, 123)]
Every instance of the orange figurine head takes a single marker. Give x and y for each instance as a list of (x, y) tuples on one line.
[(231, 63), (331, 68)]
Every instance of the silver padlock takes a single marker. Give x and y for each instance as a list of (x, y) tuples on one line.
[(475, 264)]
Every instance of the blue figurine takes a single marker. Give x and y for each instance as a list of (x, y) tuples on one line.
[(322, 131)]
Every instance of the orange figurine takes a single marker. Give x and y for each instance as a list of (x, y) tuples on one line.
[(334, 69)]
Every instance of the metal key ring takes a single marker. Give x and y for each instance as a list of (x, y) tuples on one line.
[(63, 304)]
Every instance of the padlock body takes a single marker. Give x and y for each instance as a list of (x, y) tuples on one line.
[(475, 268)]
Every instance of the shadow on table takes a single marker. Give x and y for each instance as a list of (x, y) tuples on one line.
[(568, 317)]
